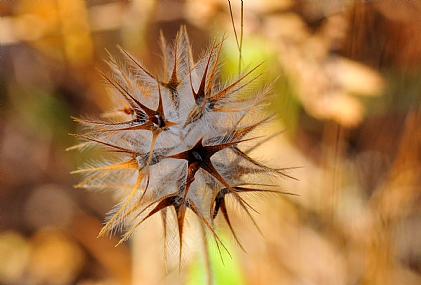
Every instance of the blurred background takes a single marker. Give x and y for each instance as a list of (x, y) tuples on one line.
[(347, 83)]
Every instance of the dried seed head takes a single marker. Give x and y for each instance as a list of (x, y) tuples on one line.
[(180, 140)]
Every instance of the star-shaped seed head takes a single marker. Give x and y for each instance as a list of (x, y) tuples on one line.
[(179, 142)]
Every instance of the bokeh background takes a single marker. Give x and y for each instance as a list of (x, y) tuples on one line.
[(347, 82)]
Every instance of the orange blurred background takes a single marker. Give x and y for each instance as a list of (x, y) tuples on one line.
[(348, 97)]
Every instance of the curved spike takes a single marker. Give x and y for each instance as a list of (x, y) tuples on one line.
[(163, 203), (224, 211), (111, 223), (126, 94), (193, 207), (201, 92), (225, 91), (125, 164), (118, 148), (129, 56)]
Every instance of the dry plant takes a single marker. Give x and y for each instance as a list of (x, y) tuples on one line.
[(180, 141)]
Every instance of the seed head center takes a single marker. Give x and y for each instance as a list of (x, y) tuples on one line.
[(196, 155), (157, 121)]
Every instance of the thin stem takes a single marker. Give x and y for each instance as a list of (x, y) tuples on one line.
[(239, 42), (241, 36)]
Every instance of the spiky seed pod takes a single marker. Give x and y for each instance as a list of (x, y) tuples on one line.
[(181, 140)]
